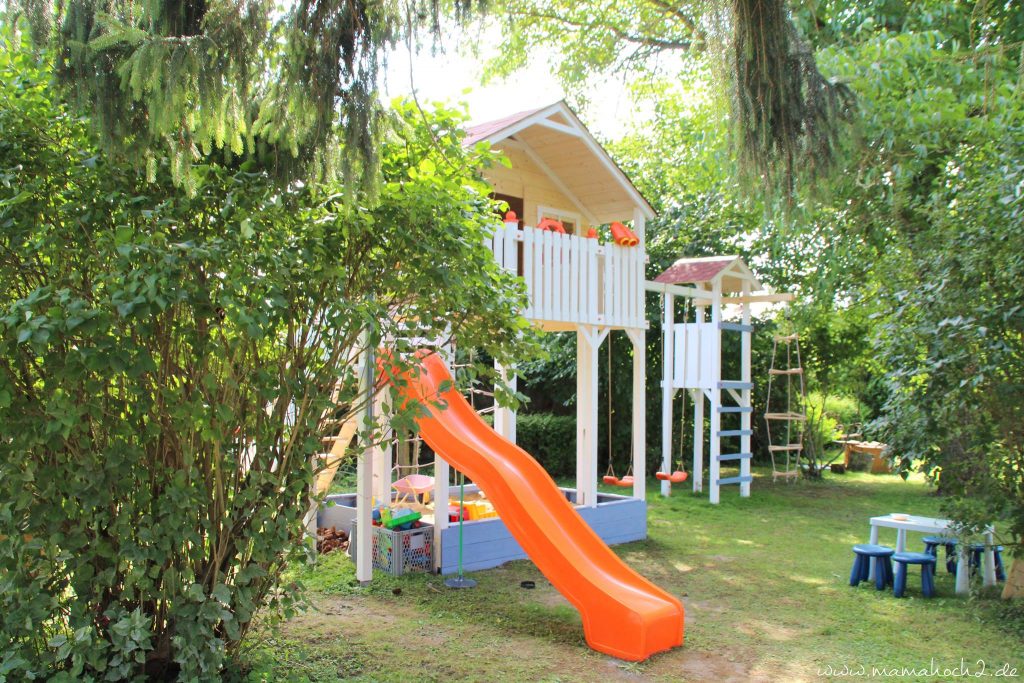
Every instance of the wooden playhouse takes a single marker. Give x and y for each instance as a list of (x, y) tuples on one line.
[(576, 284)]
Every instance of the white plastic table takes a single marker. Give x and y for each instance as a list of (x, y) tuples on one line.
[(937, 527)]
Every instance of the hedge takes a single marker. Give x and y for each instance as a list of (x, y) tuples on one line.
[(551, 439)]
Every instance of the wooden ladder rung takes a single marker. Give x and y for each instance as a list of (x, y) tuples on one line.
[(725, 433), (786, 338), (791, 371), (735, 480), (793, 473), (735, 456), (784, 416), (787, 447)]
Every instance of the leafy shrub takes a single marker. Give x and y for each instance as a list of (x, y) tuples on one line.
[(551, 439), (166, 365)]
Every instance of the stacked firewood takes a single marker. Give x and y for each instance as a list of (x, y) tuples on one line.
[(329, 539)]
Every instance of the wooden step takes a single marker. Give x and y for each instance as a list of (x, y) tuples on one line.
[(791, 371), (787, 447), (735, 456), (735, 432), (735, 409), (735, 385), (794, 473), (784, 416), (734, 480), (785, 339)]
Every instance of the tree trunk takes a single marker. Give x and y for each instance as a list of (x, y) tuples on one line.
[(1014, 587)]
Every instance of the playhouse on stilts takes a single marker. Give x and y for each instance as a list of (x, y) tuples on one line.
[(561, 188)]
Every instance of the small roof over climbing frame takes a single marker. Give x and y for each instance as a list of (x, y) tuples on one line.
[(560, 145), (731, 271)]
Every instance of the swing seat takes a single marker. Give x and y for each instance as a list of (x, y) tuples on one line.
[(610, 479), (677, 477), (625, 481)]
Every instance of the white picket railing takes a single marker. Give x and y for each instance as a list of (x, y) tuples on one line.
[(573, 279)]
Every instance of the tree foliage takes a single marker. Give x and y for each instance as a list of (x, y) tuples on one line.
[(932, 200), (786, 119), (293, 88), (167, 363)]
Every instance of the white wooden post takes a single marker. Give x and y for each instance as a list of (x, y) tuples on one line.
[(441, 494), (582, 409), (381, 455), (638, 337), (364, 474), (639, 225), (716, 392), (505, 418), (698, 440), (698, 406), (587, 344), (668, 361), (745, 394)]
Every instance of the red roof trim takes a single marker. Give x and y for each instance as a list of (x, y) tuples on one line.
[(482, 131)]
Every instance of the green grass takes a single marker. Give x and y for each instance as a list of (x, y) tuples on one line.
[(764, 581)]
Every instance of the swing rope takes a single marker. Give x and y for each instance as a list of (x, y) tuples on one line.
[(609, 477)]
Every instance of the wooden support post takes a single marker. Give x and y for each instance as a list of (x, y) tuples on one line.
[(698, 440), (668, 362), (745, 394), (442, 474), (716, 393), (381, 455), (364, 474), (588, 342), (639, 339), (698, 408), (639, 225), (505, 418)]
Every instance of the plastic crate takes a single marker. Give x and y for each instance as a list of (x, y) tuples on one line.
[(397, 552)]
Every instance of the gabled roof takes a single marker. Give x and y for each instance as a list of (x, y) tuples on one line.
[(483, 131), (731, 270), (556, 141)]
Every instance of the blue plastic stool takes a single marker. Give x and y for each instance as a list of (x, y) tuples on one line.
[(931, 546), (927, 563), (976, 549), (862, 554)]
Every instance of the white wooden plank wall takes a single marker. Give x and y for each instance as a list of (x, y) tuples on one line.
[(574, 279)]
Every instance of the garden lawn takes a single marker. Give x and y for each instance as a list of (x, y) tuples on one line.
[(764, 581)]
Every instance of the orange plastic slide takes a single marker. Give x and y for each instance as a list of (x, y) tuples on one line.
[(624, 614)]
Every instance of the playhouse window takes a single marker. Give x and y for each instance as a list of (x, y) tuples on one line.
[(570, 221), (514, 204)]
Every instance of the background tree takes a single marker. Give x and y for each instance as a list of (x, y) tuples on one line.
[(786, 118), (293, 88)]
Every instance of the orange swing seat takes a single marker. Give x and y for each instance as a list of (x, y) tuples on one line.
[(612, 480), (677, 477)]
